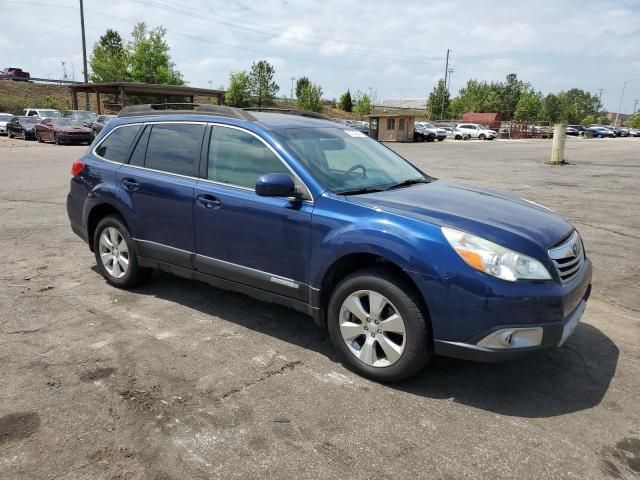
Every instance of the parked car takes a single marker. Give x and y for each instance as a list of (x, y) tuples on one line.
[(63, 130), (305, 213), (621, 132), (456, 133), (600, 132), (439, 132), (577, 128), (14, 73), (41, 112), (634, 132), (101, 121), (22, 127), (423, 134), (477, 131), (83, 117), (572, 131), (4, 118)]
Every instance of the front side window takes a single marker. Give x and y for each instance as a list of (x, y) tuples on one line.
[(345, 160), (174, 147), (116, 146), (238, 158)]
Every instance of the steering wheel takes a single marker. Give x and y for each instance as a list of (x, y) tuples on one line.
[(357, 166)]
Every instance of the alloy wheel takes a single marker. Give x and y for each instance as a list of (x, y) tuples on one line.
[(114, 252), (372, 328)]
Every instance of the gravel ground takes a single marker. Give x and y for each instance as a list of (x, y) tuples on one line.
[(180, 380)]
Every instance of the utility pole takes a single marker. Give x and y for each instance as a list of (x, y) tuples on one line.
[(635, 105), (293, 79), (600, 90), (84, 55), (624, 86), (210, 82), (446, 73), (447, 85)]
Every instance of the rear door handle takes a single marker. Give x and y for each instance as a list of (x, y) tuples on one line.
[(208, 201), (130, 184)]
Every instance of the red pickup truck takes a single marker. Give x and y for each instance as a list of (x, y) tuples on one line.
[(13, 73)]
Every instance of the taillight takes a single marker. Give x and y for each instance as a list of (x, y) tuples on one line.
[(77, 168)]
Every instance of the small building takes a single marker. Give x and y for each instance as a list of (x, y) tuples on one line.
[(391, 127), (128, 93), (492, 120)]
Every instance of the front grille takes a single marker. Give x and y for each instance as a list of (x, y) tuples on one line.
[(568, 257)]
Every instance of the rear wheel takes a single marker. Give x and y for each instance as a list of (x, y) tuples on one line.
[(115, 254), (377, 324), (56, 139)]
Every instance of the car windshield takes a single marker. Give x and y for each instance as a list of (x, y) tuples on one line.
[(30, 120), (347, 161), (85, 116), (66, 122), (49, 113), (5, 118)]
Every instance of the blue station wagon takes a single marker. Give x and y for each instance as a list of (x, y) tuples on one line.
[(310, 214)]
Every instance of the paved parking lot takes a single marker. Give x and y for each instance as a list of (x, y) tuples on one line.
[(179, 380)]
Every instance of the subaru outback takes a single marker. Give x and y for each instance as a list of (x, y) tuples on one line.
[(313, 215)]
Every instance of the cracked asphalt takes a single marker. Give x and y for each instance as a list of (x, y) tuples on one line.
[(179, 380)]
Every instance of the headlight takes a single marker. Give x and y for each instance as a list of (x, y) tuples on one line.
[(491, 258)]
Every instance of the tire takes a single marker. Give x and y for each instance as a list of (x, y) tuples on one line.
[(458, 137), (39, 138), (56, 140), (9, 134), (409, 351), (122, 271), (482, 136)]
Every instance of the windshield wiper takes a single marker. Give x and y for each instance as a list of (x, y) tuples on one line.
[(406, 183), (360, 191)]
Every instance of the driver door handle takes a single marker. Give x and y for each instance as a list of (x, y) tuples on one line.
[(208, 201)]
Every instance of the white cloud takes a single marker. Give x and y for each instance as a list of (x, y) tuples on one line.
[(292, 37), (331, 48)]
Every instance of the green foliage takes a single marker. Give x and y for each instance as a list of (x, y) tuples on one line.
[(438, 101), (310, 98), (363, 104), (479, 96), (300, 84), (238, 94), (634, 120), (529, 107), (144, 59), (261, 84), (509, 93), (52, 102), (589, 119), (108, 61), (345, 103)]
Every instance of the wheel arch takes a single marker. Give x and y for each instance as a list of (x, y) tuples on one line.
[(353, 262), (97, 213)]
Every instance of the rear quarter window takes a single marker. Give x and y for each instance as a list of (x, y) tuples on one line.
[(174, 148), (117, 144)]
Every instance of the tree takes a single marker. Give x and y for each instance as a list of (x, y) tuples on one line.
[(310, 98), (238, 94), (345, 103), (529, 107), (634, 120), (363, 104), (300, 84), (149, 58), (580, 104), (478, 97), (509, 94), (108, 61), (438, 101), (261, 84)]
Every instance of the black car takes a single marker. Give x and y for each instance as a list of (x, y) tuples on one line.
[(101, 121), (575, 130), (24, 127), (421, 134)]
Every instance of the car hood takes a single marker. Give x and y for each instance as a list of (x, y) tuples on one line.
[(502, 218)]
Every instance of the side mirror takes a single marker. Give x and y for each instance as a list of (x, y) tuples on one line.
[(276, 185)]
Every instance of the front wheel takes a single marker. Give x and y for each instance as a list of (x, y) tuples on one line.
[(482, 136), (56, 139), (39, 138), (9, 134), (115, 254), (377, 324)]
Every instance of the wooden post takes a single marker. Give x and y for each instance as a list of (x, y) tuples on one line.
[(99, 107), (123, 97), (74, 99), (559, 140)]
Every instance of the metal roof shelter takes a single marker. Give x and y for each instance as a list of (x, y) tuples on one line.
[(140, 89)]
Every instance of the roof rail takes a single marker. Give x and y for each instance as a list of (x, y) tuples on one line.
[(289, 111), (185, 108)]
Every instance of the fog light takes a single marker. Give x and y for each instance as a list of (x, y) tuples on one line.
[(513, 338)]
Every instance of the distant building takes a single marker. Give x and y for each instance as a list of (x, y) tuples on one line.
[(413, 103), (622, 118), (391, 127), (492, 120)]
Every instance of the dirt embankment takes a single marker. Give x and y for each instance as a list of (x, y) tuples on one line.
[(16, 96)]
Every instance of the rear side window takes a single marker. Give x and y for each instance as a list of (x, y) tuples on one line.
[(174, 148), (238, 158), (116, 146)]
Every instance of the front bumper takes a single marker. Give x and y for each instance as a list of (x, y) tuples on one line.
[(553, 335)]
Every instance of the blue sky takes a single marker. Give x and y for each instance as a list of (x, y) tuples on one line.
[(395, 48)]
